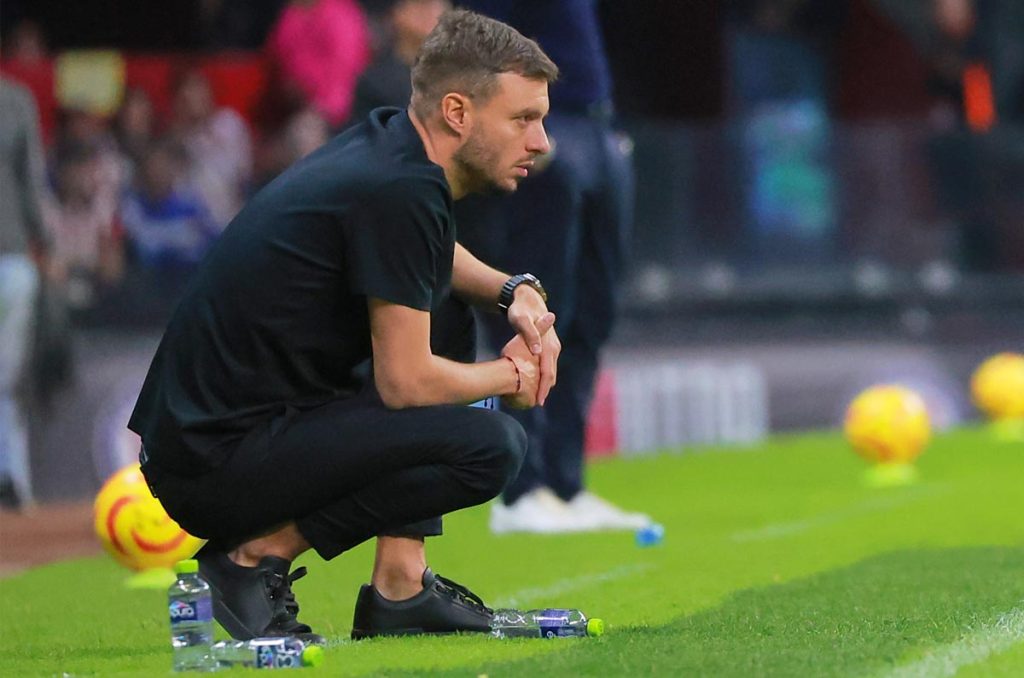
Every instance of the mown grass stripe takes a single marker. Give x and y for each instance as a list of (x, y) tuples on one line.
[(872, 505), (947, 660), (570, 584)]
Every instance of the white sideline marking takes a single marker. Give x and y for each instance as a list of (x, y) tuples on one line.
[(777, 530), (570, 584), (946, 660)]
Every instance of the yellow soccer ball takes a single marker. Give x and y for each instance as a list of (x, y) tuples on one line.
[(133, 526), (888, 424), (997, 386)]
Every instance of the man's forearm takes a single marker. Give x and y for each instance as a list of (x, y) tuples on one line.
[(475, 282), (442, 381)]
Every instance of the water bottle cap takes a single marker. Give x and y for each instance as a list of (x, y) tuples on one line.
[(313, 656), (595, 627), (186, 566)]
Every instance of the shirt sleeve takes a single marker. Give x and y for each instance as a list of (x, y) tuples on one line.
[(395, 242)]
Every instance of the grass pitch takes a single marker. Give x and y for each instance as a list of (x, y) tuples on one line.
[(777, 561)]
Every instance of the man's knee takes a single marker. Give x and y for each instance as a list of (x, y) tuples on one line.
[(500, 445)]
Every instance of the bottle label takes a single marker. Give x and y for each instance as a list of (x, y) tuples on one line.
[(554, 623), (488, 403), (183, 611), (278, 656)]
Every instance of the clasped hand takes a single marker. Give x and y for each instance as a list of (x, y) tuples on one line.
[(538, 369)]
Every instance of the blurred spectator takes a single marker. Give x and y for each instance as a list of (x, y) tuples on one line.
[(217, 144), (134, 128), (303, 133), (238, 24), (780, 54), (1001, 27), (320, 47), (81, 127), (86, 240), (883, 73), (386, 81), (168, 227), (782, 49), (569, 224), (22, 238), (26, 43)]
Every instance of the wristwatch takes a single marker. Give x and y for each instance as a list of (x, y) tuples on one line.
[(505, 296)]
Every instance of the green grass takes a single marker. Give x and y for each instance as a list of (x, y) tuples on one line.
[(777, 561)]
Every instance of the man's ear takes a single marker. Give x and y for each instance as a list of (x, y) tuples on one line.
[(456, 112)]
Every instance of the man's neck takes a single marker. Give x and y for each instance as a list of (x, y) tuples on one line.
[(440, 147)]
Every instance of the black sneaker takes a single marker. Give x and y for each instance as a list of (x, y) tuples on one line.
[(441, 607), (252, 602)]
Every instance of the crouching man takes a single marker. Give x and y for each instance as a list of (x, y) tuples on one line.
[(310, 389)]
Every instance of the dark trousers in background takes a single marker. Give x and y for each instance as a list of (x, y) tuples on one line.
[(569, 225), (352, 469)]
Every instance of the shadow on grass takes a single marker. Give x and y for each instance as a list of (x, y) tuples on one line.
[(853, 621)]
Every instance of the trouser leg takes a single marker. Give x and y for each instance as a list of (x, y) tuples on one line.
[(18, 288), (350, 470), (606, 225)]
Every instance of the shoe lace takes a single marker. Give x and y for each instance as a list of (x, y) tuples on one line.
[(280, 588), (461, 593)]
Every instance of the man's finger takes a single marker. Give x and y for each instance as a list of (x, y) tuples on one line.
[(547, 376), (545, 323), (531, 336)]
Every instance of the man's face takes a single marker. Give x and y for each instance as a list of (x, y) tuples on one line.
[(506, 135)]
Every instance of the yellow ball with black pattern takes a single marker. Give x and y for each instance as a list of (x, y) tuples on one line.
[(997, 386), (888, 424)]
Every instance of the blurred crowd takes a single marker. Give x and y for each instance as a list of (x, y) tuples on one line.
[(131, 201)]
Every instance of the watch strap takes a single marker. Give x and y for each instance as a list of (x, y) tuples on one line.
[(505, 296)]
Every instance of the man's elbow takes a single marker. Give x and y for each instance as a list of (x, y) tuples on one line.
[(399, 394)]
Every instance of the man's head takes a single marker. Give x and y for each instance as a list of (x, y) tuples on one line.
[(487, 87)]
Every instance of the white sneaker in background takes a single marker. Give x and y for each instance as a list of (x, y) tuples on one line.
[(539, 511), (593, 513)]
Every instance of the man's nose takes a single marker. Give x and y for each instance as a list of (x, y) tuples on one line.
[(538, 142)]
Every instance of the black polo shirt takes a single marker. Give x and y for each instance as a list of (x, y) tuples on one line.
[(276, 315)]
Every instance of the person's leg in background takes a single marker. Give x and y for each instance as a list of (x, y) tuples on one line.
[(535, 230), (604, 238), (569, 225), (19, 282)]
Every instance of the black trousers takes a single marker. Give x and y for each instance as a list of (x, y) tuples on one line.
[(352, 469)]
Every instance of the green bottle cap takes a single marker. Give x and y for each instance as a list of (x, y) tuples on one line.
[(313, 656), (186, 566), (595, 627)]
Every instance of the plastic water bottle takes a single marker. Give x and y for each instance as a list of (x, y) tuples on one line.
[(191, 610), (488, 403), (267, 653), (549, 623)]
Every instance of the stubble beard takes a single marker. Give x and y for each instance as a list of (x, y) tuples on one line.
[(478, 163)]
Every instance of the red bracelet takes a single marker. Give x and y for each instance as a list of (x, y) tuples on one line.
[(519, 377)]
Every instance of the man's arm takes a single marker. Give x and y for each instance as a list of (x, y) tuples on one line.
[(477, 283), (407, 374)]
